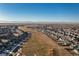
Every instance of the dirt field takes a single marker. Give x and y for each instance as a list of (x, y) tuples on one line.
[(41, 45)]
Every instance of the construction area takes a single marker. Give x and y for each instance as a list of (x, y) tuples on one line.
[(41, 45)]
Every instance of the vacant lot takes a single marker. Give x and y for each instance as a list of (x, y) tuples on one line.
[(41, 45)]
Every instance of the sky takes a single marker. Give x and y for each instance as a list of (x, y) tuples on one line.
[(39, 12)]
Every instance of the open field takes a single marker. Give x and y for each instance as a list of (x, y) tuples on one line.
[(41, 45)]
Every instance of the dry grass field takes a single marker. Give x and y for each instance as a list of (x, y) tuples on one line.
[(41, 45)]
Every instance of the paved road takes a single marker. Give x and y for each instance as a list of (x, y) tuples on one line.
[(15, 46)]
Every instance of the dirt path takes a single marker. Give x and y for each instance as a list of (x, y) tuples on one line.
[(40, 44)]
